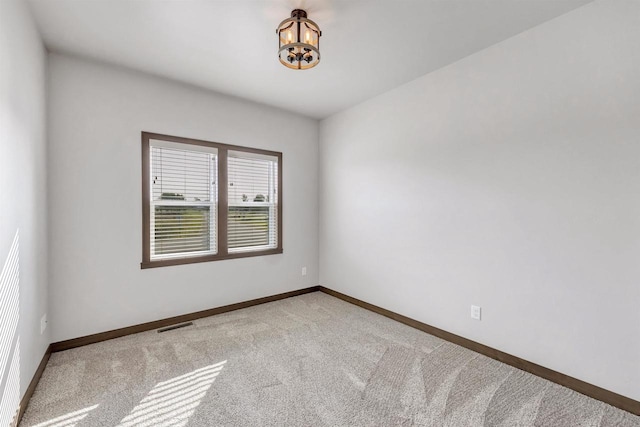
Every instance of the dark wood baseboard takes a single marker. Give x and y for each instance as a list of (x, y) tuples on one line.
[(31, 388), (156, 324), (580, 386)]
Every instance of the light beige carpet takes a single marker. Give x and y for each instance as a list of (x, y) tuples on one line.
[(311, 360)]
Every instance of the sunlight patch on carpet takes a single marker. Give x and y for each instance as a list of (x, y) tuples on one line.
[(172, 402), (68, 420)]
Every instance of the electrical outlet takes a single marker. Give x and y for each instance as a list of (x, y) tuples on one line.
[(304, 271), (476, 312), (43, 323)]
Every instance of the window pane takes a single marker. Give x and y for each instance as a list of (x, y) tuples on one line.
[(179, 229), (248, 226), (181, 174), (249, 180), (253, 195)]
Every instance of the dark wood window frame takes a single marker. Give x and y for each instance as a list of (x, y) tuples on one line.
[(223, 205)]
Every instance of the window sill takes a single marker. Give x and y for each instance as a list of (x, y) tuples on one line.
[(206, 258)]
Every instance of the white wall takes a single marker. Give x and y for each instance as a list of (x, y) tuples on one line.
[(510, 180), (23, 203), (96, 115)]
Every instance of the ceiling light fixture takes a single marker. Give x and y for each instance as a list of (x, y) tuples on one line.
[(299, 41)]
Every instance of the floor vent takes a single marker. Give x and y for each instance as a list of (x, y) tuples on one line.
[(172, 327)]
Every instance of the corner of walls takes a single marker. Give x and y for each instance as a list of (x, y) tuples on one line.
[(318, 197), (322, 166)]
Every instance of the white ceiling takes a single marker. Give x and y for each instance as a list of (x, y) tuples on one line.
[(230, 46)]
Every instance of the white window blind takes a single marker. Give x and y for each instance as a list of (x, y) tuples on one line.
[(253, 196), (183, 200)]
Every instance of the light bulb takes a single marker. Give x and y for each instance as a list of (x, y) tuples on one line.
[(307, 37)]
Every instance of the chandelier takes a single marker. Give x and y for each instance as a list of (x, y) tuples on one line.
[(298, 41)]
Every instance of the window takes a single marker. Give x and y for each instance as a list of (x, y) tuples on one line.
[(183, 200), (205, 201), (253, 192)]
